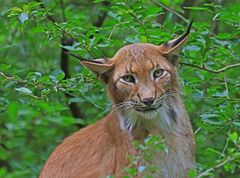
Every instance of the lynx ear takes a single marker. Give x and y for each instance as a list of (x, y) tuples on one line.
[(99, 66), (171, 49)]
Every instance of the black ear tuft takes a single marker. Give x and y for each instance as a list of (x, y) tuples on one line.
[(182, 37), (171, 48)]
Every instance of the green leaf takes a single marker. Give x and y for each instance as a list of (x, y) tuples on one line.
[(71, 48), (192, 48), (211, 119), (228, 36), (60, 76), (38, 29), (97, 1), (236, 123), (15, 10), (192, 173), (132, 171), (153, 10), (221, 94), (24, 90), (4, 67), (32, 5), (198, 9), (3, 172), (233, 137), (45, 91), (223, 35)]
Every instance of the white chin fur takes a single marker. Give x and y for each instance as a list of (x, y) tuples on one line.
[(160, 118), (148, 114)]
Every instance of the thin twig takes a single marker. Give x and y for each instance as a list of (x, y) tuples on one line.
[(216, 167), (169, 10), (18, 81), (55, 23), (207, 45), (5, 76), (114, 28), (211, 98), (212, 70), (43, 7), (226, 85), (12, 78), (64, 31), (111, 33), (196, 131), (226, 145), (141, 23)]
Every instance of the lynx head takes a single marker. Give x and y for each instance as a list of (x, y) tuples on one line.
[(142, 80)]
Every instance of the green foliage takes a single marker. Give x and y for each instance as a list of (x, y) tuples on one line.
[(143, 165), (36, 94)]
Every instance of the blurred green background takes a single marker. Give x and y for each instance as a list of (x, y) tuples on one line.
[(45, 95)]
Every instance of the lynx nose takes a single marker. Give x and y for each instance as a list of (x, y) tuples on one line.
[(148, 101)]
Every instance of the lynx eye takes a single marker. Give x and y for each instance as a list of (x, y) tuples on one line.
[(158, 73), (128, 78)]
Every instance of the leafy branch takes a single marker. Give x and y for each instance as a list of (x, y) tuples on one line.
[(169, 10), (217, 166), (10, 78), (64, 56), (140, 22), (212, 70)]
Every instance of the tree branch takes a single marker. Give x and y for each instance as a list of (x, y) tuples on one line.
[(102, 16), (169, 10), (216, 167), (64, 64), (67, 40), (43, 7), (140, 22), (212, 70), (65, 68)]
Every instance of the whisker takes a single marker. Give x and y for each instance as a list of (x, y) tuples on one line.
[(171, 94), (116, 107), (125, 102)]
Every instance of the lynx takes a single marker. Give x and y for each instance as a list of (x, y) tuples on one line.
[(142, 83)]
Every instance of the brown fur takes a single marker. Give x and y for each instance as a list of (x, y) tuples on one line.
[(102, 153), (102, 149)]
